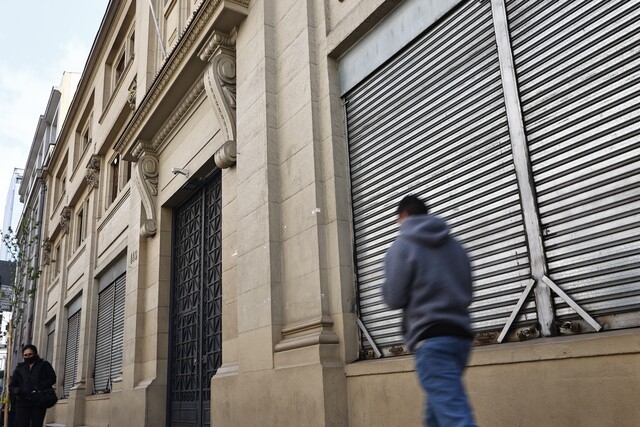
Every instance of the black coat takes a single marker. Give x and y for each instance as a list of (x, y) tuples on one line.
[(25, 380)]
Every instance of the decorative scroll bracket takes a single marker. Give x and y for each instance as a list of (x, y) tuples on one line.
[(131, 96), (147, 182), (220, 84), (46, 251), (92, 175)]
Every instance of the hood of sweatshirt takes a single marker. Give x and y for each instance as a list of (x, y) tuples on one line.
[(428, 230)]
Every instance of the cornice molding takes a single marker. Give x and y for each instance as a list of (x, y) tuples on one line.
[(218, 40), (196, 27), (187, 102)]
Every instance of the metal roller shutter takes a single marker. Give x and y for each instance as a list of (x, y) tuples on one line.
[(104, 331), (50, 342), (110, 335), (118, 328), (432, 122), (578, 69), (71, 353)]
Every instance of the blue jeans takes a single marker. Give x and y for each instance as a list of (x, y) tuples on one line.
[(440, 362)]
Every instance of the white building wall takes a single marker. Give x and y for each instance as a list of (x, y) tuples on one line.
[(12, 209)]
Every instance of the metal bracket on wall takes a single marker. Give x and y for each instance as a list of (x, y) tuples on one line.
[(590, 320), (376, 350), (516, 309), (560, 293)]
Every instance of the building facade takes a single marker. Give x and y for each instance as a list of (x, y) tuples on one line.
[(222, 194), (32, 190), (12, 210), (5, 285)]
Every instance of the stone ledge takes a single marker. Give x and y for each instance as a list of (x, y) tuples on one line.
[(611, 343), (388, 365)]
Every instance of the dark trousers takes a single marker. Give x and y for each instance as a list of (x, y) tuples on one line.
[(29, 416)]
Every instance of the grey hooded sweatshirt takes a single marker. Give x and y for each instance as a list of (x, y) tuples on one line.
[(428, 276)]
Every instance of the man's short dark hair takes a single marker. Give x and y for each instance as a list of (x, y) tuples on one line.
[(30, 347), (412, 205)]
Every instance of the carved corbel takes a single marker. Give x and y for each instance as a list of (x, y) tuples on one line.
[(147, 181), (65, 219), (225, 156), (220, 85), (131, 97), (46, 252), (92, 174)]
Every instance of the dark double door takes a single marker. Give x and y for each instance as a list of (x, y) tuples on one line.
[(196, 305)]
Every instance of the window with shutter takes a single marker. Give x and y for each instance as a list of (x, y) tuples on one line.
[(71, 353), (118, 329), (109, 335), (50, 343), (103, 340)]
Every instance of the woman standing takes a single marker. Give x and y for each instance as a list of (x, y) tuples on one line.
[(30, 377)]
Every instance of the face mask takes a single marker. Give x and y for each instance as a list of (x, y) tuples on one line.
[(29, 358)]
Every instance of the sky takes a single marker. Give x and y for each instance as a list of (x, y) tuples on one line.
[(39, 40)]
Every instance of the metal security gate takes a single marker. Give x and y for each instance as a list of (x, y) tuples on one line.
[(432, 122), (196, 342), (578, 70)]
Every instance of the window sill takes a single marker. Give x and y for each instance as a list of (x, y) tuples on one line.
[(618, 342), (566, 347), (96, 397)]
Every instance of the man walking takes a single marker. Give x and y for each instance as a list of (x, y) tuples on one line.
[(428, 276)]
